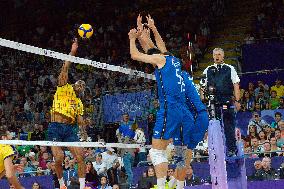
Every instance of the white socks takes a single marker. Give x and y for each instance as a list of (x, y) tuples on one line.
[(82, 183), (180, 184), (161, 183), (61, 182)]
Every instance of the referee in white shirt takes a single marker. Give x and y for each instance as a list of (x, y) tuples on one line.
[(226, 82)]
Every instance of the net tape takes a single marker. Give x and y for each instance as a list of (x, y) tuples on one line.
[(73, 144), (66, 57)]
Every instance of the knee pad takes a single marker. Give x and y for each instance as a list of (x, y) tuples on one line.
[(180, 156), (158, 156)]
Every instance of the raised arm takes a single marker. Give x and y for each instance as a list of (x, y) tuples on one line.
[(144, 37), (145, 40), (63, 76), (156, 60), (10, 173), (159, 41)]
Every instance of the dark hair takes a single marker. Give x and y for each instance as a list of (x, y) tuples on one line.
[(99, 155), (107, 181), (278, 113), (254, 138), (152, 51), (3, 130), (261, 91), (151, 167), (155, 50), (277, 130), (93, 171), (168, 53)]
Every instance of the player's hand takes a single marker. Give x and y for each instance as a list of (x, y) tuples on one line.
[(151, 23), (74, 47), (139, 23), (145, 33), (19, 168), (133, 34), (237, 105)]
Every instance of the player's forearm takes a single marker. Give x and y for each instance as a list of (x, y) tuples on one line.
[(14, 181), (159, 41), (63, 76), (146, 44), (237, 91), (67, 64), (133, 50)]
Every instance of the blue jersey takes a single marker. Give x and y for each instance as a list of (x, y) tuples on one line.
[(193, 100), (171, 87)]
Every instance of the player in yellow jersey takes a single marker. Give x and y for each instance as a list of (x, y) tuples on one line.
[(66, 116), (7, 154)]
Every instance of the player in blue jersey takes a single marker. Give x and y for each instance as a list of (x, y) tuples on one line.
[(189, 137), (197, 108), (173, 111), (195, 135)]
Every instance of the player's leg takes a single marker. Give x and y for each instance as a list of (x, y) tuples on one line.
[(79, 155), (159, 159), (200, 127), (164, 128), (71, 135), (54, 134), (58, 155), (186, 150)]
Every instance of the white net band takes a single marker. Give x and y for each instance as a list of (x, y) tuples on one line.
[(73, 144), (66, 57)]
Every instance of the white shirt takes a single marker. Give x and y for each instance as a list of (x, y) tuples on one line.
[(203, 145), (100, 168), (234, 76), (108, 159), (259, 125)]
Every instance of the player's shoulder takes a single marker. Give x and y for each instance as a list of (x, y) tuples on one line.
[(7, 150), (4, 147)]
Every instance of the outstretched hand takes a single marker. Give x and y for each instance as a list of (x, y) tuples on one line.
[(74, 47), (133, 34), (139, 23), (145, 33), (151, 23)]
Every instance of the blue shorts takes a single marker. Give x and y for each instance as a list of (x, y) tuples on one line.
[(61, 132), (193, 136), (172, 119)]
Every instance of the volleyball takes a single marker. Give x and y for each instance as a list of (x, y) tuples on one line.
[(85, 31)]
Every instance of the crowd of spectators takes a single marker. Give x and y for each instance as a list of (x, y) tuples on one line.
[(264, 171), (269, 22), (262, 97)]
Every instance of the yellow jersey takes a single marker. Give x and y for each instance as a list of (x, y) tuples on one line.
[(279, 90), (66, 102), (5, 152)]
